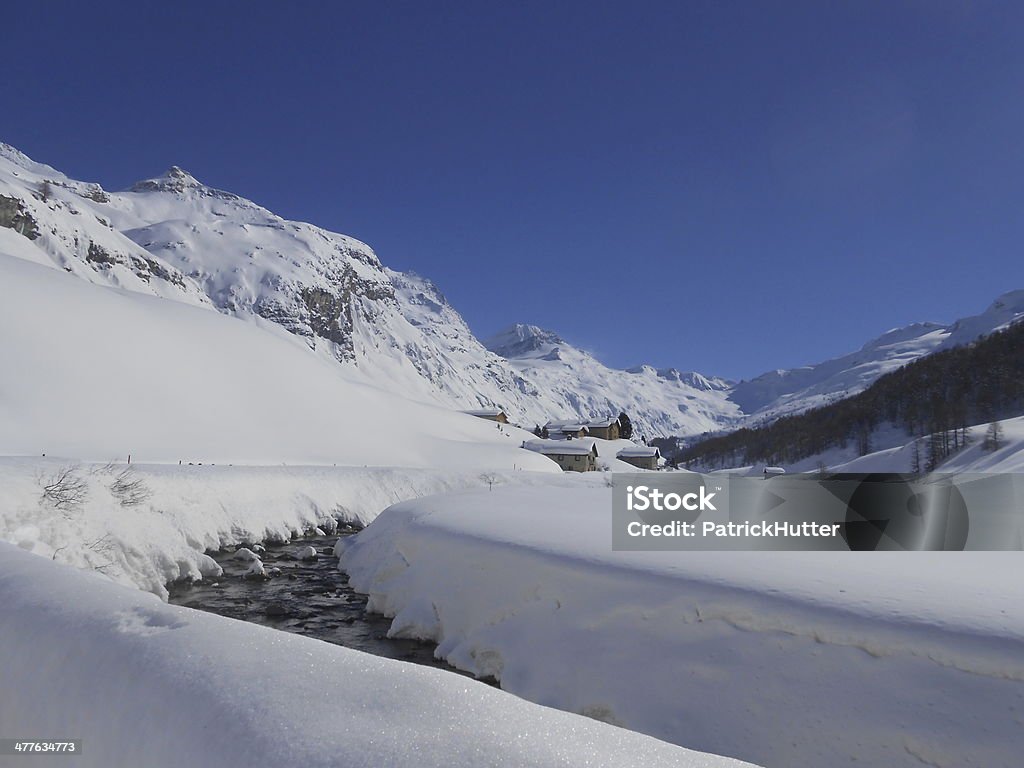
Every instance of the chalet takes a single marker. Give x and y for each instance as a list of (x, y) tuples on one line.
[(570, 455), (566, 430), (643, 456), (491, 414), (607, 429)]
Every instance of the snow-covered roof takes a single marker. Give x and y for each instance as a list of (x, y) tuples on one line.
[(486, 412), (565, 426), (640, 452), (562, 447), (604, 424)]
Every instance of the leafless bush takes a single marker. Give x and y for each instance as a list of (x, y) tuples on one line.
[(66, 489), (103, 547), (129, 489), (104, 469)]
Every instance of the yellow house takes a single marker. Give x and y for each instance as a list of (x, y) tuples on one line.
[(607, 429), (491, 414), (643, 456), (570, 455)]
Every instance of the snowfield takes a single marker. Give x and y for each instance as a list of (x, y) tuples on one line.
[(142, 683), (115, 372), (783, 659)]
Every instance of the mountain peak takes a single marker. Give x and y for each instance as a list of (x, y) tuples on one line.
[(1012, 301), (19, 158), (521, 340), (177, 180), (178, 173)]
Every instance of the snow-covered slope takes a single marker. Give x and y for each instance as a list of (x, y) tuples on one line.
[(49, 218), (98, 372), (1005, 458), (782, 392)]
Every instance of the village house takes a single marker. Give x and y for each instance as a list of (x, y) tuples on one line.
[(608, 429), (643, 456), (491, 414), (566, 430), (570, 455)]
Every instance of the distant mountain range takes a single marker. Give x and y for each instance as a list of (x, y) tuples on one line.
[(174, 237)]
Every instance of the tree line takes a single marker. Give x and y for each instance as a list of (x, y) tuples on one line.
[(936, 397)]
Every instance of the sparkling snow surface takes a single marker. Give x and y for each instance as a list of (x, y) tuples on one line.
[(143, 683), (784, 659)]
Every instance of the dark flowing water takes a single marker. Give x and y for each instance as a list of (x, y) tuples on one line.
[(307, 597)]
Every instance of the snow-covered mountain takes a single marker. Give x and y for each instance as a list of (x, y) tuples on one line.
[(782, 392), (98, 373), (176, 238), (659, 401)]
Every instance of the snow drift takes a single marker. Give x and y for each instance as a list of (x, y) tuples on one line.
[(147, 684), (784, 659)]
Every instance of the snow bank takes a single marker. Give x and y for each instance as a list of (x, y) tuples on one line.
[(784, 659), (185, 510), (148, 684)]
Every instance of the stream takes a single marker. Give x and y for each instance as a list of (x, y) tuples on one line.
[(307, 597)]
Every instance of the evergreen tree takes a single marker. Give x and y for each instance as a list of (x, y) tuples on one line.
[(625, 426), (993, 437)]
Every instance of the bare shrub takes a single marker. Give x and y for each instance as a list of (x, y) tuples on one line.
[(66, 489), (130, 489), (103, 547)]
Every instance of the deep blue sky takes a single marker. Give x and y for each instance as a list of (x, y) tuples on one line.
[(717, 186)]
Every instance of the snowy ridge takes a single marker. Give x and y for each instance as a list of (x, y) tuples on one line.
[(50, 219), (785, 392)]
